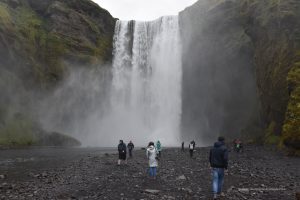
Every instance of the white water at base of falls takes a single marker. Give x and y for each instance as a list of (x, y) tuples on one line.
[(146, 87)]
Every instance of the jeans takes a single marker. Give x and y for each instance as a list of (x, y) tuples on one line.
[(152, 171), (218, 179)]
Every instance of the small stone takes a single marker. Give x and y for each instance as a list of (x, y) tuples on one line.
[(182, 177), (188, 190), (150, 191), (169, 197), (230, 189)]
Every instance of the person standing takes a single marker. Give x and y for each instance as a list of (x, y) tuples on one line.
[(194, 144), (130, 147), (158, 148), (122, 152), (182, 146), (218, 158), (151, 154), (237, 145), (191, 149)]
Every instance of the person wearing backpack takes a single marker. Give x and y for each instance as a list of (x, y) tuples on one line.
[(151, 154), (191, 148), (122, 152), (130, 147), (218, 158)]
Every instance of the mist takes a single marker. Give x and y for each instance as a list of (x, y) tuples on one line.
[(219, 85), (77, 104)]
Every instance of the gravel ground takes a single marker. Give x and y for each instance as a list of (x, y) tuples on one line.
[(256, 173)]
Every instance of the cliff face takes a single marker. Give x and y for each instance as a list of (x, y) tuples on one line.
[(38, 37), (219, 94), (255, 45), (273, 27), (40, 40)]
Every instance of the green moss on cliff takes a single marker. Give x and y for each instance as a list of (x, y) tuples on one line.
[(270, 137), (103, 44), (291, 128), (46, 41), (5, 17), (29, 33), (17, 131), (52, 50)]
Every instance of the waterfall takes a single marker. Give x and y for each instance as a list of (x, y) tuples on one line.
[(145, 95)]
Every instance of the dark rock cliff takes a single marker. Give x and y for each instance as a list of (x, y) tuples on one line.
[(241, 69), (38, 37), (40, 40), (219, 94)]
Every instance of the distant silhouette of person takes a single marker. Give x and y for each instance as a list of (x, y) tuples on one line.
[(122, 152), (130, 147), (237, 145), (194, 144), (151, 154), (218, 158), (182, 146), (191, 149), (158, 148)]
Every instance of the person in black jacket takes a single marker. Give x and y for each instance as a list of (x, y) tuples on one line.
[(194, 144), (218, 158), (130, 147), (122, 152)]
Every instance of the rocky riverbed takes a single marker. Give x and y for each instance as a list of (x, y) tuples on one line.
[(257, 173)]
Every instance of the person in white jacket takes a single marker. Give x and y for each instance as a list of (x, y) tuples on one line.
[(151, 154)]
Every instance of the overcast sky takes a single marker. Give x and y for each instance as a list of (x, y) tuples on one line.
[(143, 9)]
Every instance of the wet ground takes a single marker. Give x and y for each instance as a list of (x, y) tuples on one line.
[(92, 173)]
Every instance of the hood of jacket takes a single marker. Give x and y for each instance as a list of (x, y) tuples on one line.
[(151, 148), (218, 144)]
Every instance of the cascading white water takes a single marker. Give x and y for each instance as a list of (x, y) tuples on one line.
[(146, 88)]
